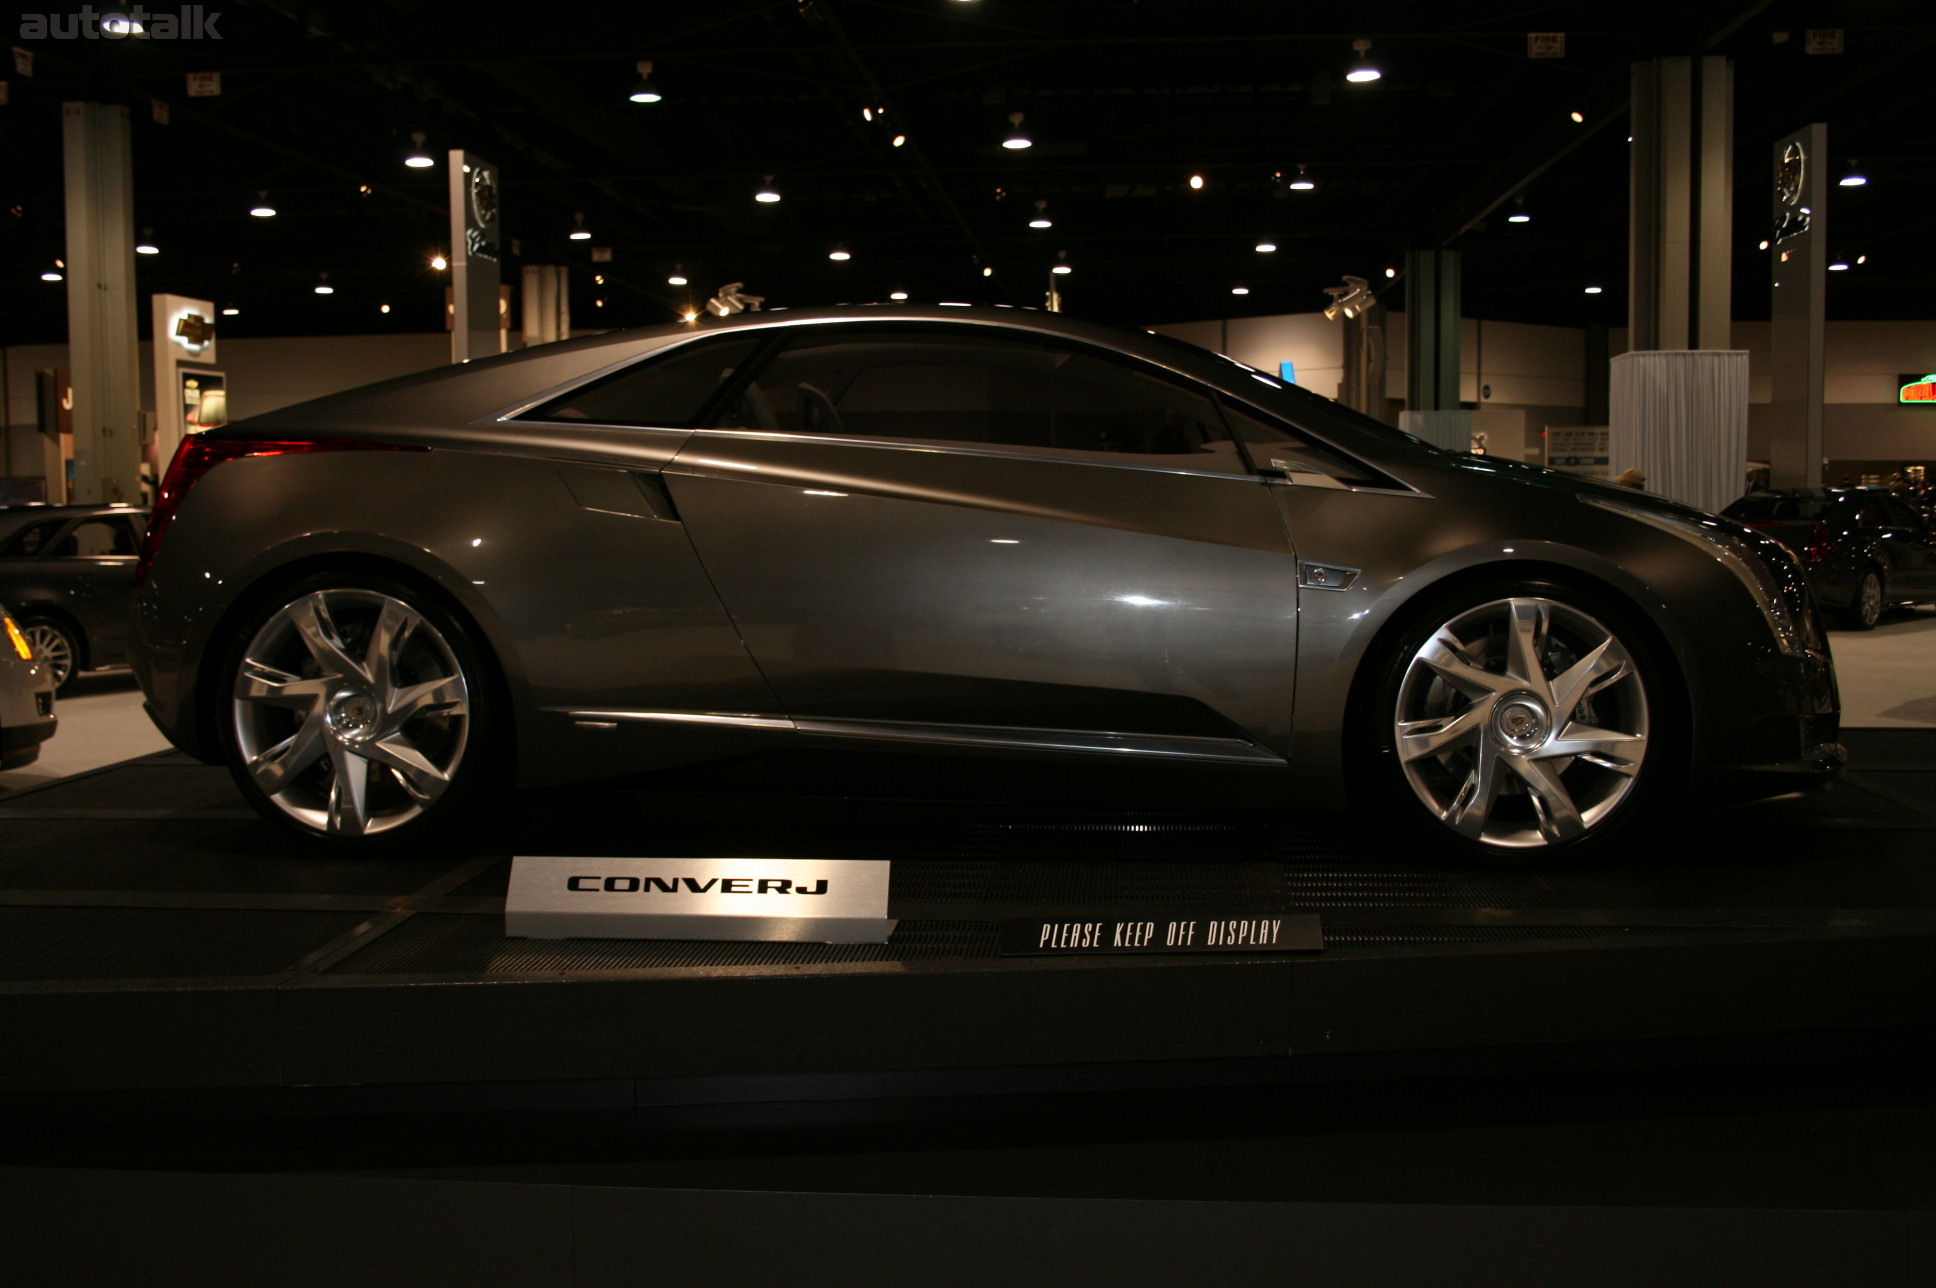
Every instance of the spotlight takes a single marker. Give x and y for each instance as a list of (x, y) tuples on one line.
[(262, 209), (1364, 73), (1303, 182), (1196, 183), (1240, 290), (146, 246), (51, 276), (1578, 118), (231, 312), (1016, 140), (899, 139), (1854, 178), (840, 254), (1594, 290), (897, 295), (768, 194), (580, 232), (1266, 247), (323, 287), (418, 158), (1041, 219), (1391, 272), (678, 277), (383, 308), (439, 263), (1351, 299), (645, 91), (1839, 266)]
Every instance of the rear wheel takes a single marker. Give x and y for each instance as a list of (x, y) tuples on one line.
[(1865, 606), (1515, 723), (54, 644), (358, 712)]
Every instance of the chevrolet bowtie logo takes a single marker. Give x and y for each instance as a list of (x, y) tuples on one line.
[(195, 329)]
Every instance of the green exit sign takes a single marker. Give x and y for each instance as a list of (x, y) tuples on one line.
[(1917, 389)]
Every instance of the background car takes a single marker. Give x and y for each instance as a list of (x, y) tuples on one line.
[(26, 697), (1865, 549), (68, 570), (980, 531)]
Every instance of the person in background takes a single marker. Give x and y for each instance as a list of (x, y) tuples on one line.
[(1633, 478)]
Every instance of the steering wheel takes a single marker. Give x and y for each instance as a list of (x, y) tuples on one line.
[(817, 414)]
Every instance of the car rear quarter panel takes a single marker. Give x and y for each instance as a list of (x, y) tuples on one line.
[(577, 606)]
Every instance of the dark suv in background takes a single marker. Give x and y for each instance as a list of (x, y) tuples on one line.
[(67, 571), (1865, 549)]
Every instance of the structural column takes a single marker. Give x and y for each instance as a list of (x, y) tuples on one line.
[(1681, 420), (1432, 332), (101, 339)]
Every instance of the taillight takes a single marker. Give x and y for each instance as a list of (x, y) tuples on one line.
[(200, 453), (1817, 544)]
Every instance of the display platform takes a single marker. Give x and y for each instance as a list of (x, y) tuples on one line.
[(154, 934)]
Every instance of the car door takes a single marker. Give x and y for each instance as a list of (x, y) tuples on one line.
[(1911, 546), (90, 564), (972, 534)]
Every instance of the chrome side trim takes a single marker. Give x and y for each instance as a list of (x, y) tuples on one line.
[(1228, 750), (939, 447), (743, 719)]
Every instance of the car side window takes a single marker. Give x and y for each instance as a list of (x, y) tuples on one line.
[(986, 390), (28, 542), (669, 392), (1274, 445), (93, 539)]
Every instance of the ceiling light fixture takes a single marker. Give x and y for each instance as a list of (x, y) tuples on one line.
[(1391, 272), (1519, 215), (1839, 266), (418, 158), (1303, 182), (1041, 219), (1240, 290), (323, 287), (1363, 73), (897, 295), (51, 276), (839, 254), (146, 246), (899, 139), (768, 194), (1854, 178), (438, 262), (678, 277), (645, 91), (383, 308), (1594, 290), (231, 311), (580, 232), (1266, 246), (262, 209), (1577, 117), (1016, 140), (1196, 183), (1061, 267)]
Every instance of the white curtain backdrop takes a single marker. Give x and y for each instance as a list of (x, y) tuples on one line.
[(1448, 429), (1681, 416)]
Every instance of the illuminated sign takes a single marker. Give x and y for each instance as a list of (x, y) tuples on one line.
[(192, 331), (1918, 389)]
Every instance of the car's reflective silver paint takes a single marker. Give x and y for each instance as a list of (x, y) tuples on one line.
[(654, 597)]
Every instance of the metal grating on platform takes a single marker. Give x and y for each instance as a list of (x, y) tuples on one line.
[(440, 944), (159, 943)]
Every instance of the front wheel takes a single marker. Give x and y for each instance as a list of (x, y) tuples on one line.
[(1515, 723), (358, 712)]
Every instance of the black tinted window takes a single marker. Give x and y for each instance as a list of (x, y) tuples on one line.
[(27, 542), (94, 538), (1275, 445), (978, 389), (671, 391)]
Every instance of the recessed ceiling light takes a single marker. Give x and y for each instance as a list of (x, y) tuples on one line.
[(767, 194), (1240, 290), (1593, 290), (1016, 140), (839, 253), (1266, 247), (897, 295)]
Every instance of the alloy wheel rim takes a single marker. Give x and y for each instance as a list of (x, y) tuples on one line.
[(52, 647), (1521, 723), (351, 712), (1871, 598)]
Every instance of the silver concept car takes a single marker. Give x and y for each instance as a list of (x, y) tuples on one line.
[(997, 531)]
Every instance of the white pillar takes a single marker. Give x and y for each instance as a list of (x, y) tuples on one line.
[(102, 350)]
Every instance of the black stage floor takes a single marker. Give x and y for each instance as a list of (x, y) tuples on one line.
[(1703, 1060)]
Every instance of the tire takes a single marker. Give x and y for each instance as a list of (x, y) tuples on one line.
[(53, 642), (1865, 605), (359, 711), (1517, 723)]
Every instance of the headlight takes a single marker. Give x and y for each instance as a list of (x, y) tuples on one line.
[(1741, 558)]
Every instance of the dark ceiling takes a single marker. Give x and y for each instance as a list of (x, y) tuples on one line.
[(1124, 99)]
